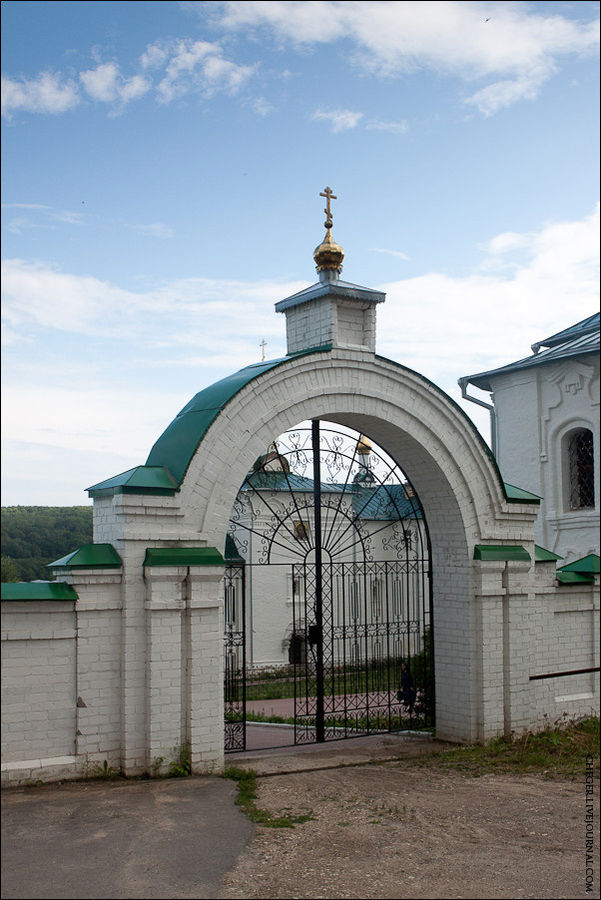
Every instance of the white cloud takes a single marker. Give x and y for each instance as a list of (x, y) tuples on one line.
[(47, 93), (446, 327), (517, 45), (394, 127), (25, 206), (172, 68), (262, 106), (199, 66), (106, 84), (39, 215), (439, 325), (397, 253), (155, 229), (340, 119), (197, 311)]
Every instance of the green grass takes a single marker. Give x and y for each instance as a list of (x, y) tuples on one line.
[(246, 780), (559, 750)]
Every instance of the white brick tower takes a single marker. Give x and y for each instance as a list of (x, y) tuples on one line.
[(331, 312)]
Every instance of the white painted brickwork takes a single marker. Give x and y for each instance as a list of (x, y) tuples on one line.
[(38, 681), (149, 660), (535, 409)]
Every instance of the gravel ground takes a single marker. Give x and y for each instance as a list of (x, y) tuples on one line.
[(397, 830)]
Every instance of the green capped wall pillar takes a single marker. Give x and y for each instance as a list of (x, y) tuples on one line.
[(205, 666), (165, 603)]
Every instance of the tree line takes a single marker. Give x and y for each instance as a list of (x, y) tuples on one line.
[(33, 536)]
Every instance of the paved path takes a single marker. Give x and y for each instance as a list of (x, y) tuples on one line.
[(170, 838)]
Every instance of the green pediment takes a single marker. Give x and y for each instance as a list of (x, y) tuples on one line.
[(519, 495), (542, 555), (155, 480), (90, 556), (588, 565)]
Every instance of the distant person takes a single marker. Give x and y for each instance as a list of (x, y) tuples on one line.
[(407, 692)]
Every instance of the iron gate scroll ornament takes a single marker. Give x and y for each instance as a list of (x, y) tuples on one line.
[(323, 502)]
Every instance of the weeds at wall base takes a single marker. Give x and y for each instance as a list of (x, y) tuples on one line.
[(246, 780)]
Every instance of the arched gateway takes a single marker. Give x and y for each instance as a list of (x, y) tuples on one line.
[(120, 661), (169, 520)]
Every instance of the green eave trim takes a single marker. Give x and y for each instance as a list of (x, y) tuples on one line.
[(155, 480), (90, 556), (588, 565), (542, 555), (178, 443), (515, 494), (38, 590), (183, 556), (500, 552), (575, 578)]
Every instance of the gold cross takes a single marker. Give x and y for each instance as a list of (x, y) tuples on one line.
[(262, 345), (327, 192)]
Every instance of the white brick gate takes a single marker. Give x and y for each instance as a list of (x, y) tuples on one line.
[(148, 659)]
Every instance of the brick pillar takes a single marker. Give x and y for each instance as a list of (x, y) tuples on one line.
[(205, 667), (488, 645), (165, 732), (518, 609), (504, 608)]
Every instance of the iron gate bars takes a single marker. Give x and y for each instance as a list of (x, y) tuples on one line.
[(326, 503), (376, 617), (278, 502), (235, 658)]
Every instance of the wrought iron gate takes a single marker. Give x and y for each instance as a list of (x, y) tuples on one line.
[(344, 521)]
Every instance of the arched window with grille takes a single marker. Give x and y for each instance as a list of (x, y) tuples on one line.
[(580, 469)]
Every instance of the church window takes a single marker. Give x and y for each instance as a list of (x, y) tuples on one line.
[(580, 466)]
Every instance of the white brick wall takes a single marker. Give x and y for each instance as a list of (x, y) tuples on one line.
[(149, 660), (38, 680)]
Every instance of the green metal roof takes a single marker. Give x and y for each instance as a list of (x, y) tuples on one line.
[(172, 453), (574, 577), (500, 552), (139, 480), (38, 590), (90, 556), (183, 556), (542, 555), (588, 565), (519, 495)]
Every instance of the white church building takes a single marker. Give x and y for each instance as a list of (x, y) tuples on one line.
[(545, 434)]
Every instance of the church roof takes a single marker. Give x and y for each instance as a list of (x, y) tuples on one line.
[(577, 340), (586, 327), (377, 502)]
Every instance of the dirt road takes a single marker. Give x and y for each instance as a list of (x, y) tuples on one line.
[(397, 830)]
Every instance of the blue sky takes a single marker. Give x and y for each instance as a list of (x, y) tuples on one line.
[(161, 171)]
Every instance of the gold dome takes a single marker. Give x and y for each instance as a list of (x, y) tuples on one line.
[(329, 254), (363, 446)]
